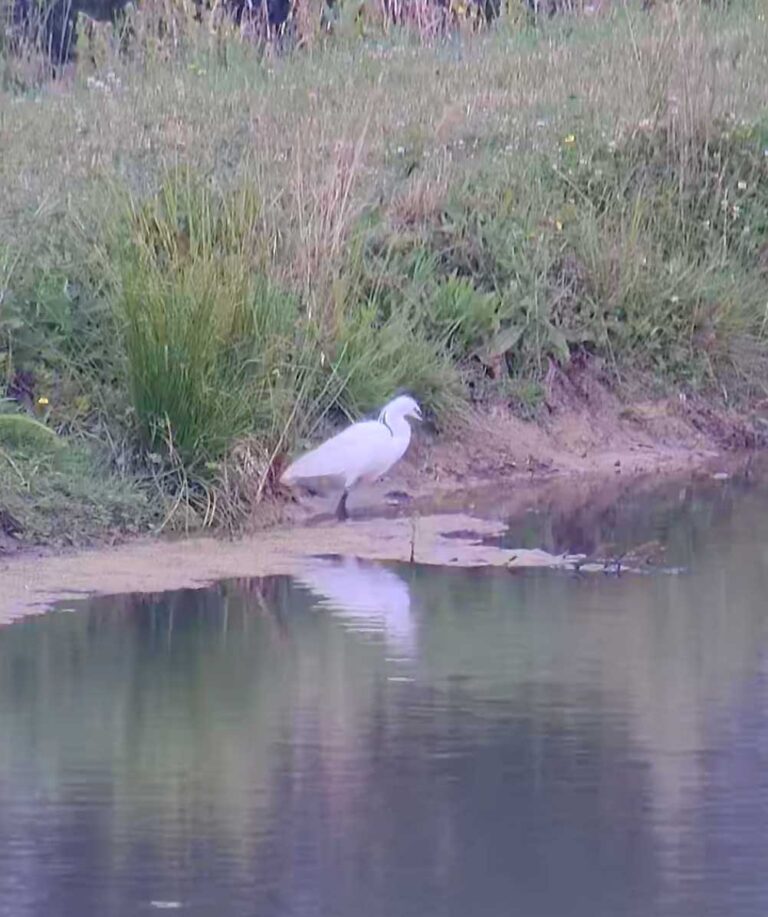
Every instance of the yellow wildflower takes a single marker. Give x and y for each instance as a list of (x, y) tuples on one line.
[(559, 225), (42, 401), (569, 140)]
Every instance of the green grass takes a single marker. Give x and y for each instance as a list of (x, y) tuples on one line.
[(203, 245), (70, 495)]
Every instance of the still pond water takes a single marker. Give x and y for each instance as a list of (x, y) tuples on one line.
[(396, 741)]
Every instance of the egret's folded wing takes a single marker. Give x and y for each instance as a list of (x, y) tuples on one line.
[(342, 456)]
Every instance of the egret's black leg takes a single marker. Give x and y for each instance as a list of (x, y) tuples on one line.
[(341, 510)]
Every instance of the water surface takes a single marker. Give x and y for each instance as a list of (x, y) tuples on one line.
[(396, 741)]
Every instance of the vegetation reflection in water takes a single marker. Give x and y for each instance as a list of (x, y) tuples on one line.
[(397, 740)]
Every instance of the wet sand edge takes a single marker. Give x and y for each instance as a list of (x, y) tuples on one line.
[(448, 532)]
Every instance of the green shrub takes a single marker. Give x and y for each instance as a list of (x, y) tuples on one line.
[(209, 343)]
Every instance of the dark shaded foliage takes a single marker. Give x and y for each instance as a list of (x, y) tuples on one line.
[(51, 25)]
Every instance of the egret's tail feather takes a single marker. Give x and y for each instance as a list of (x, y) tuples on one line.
[(289, 475), (310, 465)]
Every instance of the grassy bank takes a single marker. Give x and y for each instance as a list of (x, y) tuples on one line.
[(209, 253)]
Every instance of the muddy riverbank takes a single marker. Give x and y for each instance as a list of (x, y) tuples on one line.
[(455, 504)]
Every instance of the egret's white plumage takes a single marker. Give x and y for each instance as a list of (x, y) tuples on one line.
[(363, 452)]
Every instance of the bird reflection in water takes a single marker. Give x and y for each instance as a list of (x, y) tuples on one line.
[(366, 597)]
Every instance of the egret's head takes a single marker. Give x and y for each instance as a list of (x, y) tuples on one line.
[(402, 406)]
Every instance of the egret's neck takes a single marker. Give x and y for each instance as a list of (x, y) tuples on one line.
[(398, 425)]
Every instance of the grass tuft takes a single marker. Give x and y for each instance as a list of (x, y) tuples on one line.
[(70, 496)]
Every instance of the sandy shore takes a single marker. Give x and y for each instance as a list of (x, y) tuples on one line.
[(447, 527)]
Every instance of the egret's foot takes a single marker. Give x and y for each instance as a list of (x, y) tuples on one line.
[(341, 510)]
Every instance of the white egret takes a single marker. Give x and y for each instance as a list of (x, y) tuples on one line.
[(363, 452)]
